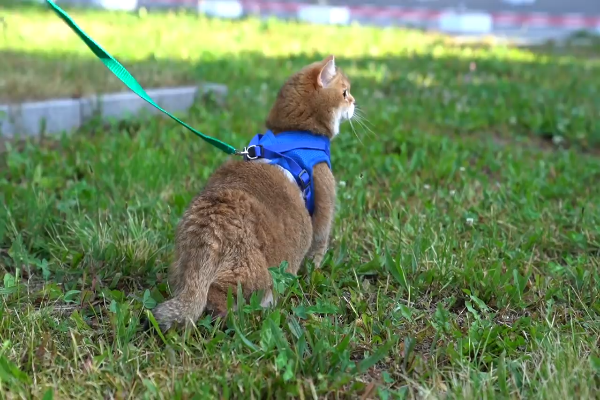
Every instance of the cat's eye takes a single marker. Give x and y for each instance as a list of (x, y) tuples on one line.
[(345, 93)]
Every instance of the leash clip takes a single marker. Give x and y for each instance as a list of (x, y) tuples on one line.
[(251, 152)]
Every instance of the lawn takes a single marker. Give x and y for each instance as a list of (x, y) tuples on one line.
[(465, 256)]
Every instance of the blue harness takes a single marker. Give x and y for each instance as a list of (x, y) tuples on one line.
[(297, 152)]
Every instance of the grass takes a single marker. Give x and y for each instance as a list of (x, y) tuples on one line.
[(466, 248)]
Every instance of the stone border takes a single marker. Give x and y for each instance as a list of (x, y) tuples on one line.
[(60, 115)]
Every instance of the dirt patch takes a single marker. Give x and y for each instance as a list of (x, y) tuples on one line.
[(545, 142)]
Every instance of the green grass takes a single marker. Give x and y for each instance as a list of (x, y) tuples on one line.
[(466, 250)]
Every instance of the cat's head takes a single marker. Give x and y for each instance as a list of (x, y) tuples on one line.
[(317, 99)]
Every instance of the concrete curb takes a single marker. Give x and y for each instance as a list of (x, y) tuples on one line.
[(64, 115)]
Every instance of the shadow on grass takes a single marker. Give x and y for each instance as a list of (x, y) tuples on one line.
[(552, 100)]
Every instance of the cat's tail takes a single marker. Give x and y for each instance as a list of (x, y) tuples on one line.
[(190, 297)]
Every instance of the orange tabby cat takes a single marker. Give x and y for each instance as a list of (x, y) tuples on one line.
[(254, 214)]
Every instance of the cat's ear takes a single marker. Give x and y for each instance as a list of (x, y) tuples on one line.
[(327, 72)]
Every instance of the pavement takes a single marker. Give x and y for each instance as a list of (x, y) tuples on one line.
[(556, 7)]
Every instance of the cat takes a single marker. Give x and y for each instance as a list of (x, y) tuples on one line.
[(253, 214)]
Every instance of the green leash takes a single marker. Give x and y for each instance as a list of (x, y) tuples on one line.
[(120, 72)]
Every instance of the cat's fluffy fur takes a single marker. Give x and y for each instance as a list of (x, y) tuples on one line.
[(251, 216)]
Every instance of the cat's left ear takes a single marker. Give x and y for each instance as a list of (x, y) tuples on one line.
[(327, 72)]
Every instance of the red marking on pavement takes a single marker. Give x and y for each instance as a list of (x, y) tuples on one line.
[(500, 19)]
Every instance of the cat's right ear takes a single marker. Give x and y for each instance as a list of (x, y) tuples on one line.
[(327, 72)]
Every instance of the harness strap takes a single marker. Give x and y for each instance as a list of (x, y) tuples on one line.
[(285, 147), (302, 177), (274, 150)]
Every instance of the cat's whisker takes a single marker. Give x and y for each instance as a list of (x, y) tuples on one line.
[(368, 130), (354, 130), (361, 115), (365, 123), (359, 120), (365, 120)]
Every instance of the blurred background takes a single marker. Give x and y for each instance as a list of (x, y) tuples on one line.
[(466, 248), (519, 19)]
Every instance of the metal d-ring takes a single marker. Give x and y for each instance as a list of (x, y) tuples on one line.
[(246, 152)]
